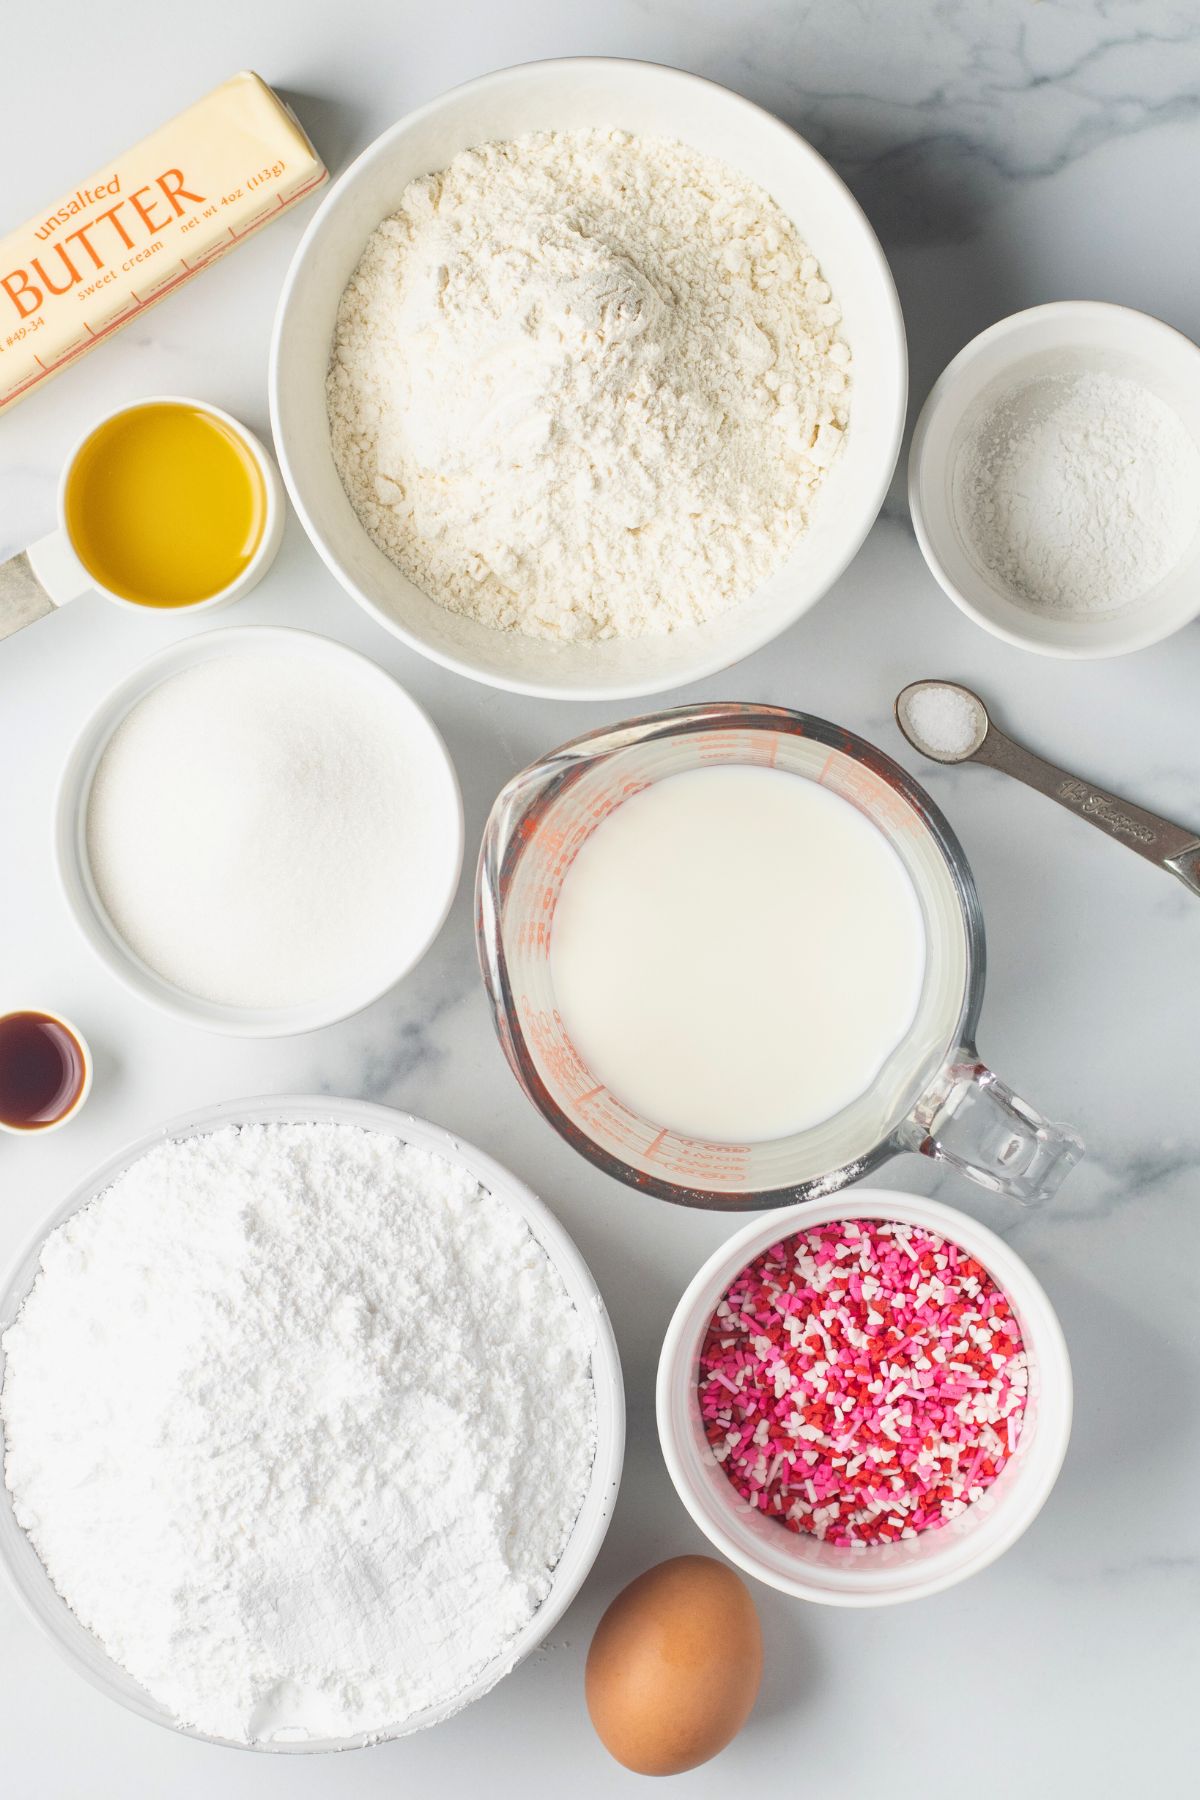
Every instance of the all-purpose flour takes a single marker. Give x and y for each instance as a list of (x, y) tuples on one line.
[(586, 385), (299, 1420)]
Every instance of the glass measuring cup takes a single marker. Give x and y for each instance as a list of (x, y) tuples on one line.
[(932, 1095)]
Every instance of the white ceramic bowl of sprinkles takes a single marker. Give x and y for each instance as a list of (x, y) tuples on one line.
[(798, 1563)]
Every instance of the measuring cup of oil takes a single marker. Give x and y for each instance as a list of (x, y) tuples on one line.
[(735, 957), (166, 504)]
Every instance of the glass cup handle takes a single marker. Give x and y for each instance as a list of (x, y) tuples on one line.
[(970, 1119)]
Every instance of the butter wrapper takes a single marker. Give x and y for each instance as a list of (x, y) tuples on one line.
[(145, 223)]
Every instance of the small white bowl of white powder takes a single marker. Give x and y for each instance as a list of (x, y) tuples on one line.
[(259, 831), (312, 1423), (1054, 480)]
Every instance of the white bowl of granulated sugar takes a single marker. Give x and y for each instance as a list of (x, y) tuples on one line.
[(588, 378), (259, 831), (1054, 480)]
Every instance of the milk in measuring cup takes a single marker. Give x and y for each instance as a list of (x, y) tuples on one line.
[(735, 952)]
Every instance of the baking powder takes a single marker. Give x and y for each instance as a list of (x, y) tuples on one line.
[(1079, 493)]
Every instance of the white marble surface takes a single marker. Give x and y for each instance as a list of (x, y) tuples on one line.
[(1008, 153)]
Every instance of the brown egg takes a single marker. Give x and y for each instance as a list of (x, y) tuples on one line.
[(674, 1667)]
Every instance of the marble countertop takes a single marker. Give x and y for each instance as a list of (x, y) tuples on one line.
[(1007, 153)]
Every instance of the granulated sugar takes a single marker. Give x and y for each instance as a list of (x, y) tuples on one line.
[(587, 385), (299, 1420), (266, 830)]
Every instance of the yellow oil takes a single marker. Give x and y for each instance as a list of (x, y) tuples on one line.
[(165, 505)]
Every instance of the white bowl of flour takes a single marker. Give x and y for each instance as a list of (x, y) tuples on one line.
[(588, 537), (313, 1425)]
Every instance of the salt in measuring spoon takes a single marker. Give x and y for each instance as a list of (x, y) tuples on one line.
[(949, 723)]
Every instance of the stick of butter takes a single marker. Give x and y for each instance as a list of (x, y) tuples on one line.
[(145, 223)]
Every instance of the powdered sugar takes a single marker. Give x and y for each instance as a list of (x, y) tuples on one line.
[(299, 1419), (1079, 492), (586, 385)]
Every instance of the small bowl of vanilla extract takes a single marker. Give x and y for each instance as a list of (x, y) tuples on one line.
[(45, 1071)]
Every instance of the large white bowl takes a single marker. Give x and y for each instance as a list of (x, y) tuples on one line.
[(570, 95), (880, 1575), (22, 1565)]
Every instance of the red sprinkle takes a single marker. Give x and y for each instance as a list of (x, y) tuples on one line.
[(863, 1381)]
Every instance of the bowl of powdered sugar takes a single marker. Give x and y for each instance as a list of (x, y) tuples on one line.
[(588, 378), (1054, 480), (312, 1425)]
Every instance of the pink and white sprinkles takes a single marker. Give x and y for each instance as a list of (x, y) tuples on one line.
[(863, 1381)]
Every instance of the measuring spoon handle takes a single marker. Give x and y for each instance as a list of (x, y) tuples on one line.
[(1172, 847)]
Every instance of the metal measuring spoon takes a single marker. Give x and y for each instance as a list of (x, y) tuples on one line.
[(950, 724)]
